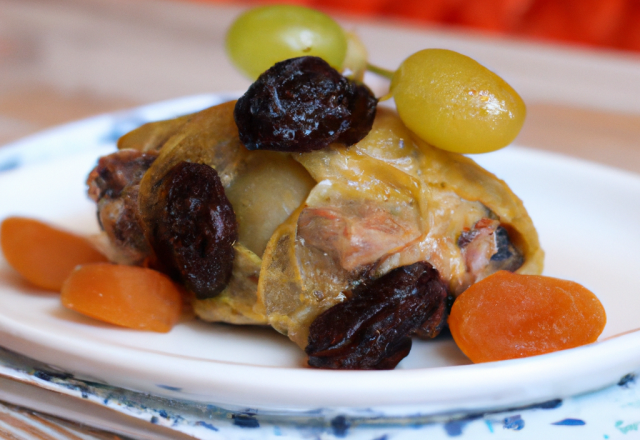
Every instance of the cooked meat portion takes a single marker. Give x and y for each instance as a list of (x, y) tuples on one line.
[(114, 184), (117, 171), (385, 203), (486, 249), (347, 251), (356, 234), (479, 245), (507, 257)]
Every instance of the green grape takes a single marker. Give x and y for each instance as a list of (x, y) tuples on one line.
[(265, 35), (355, 61), (454, 103)]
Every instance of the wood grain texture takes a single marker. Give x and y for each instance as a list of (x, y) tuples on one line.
[(606, 137), (18, 423)]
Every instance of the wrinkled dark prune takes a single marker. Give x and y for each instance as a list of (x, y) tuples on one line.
[(194, 236), (436, 321), (371, 329), (303, 104)]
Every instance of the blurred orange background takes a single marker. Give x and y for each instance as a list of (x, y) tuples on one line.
[(604, 23)]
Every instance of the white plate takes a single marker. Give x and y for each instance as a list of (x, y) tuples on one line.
[(586, 215)]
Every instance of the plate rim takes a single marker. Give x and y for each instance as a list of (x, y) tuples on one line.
[(255, 394)]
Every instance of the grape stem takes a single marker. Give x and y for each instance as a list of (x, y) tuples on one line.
[(380, 71)]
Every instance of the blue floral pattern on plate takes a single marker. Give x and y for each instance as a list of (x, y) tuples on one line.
[(612, 413)]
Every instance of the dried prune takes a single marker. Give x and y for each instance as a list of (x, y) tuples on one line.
[(433, 325), (194, 236), (303, 104), (371, 329)]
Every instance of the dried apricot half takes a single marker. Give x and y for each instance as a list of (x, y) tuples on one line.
[(508, 316), (129, 296), (42, 254)]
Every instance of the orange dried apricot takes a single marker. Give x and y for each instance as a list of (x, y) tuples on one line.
[(129, 296), (508, 316), (43, 255)]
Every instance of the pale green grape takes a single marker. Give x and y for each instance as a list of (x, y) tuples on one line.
[(265, 35), (454, 103), (355, 61)]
